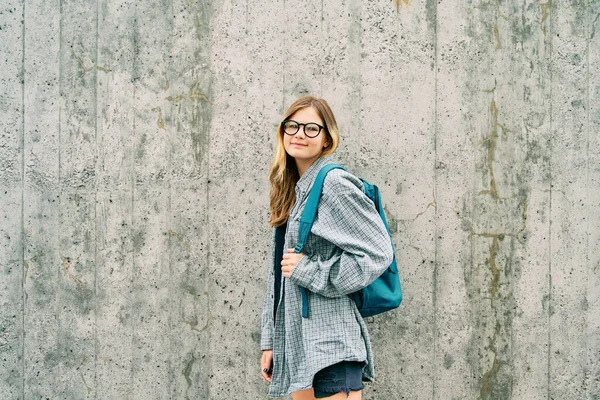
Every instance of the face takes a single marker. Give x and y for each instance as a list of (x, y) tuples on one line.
[(300, 146)]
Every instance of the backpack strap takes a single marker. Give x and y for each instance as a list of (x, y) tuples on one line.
[(307, 219)]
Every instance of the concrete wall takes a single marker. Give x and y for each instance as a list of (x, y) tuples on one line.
[(135, 143)]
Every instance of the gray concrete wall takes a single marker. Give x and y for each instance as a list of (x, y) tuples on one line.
[(135, 143)]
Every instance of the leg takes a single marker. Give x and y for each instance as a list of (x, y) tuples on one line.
[(354, 395), (307, 394)]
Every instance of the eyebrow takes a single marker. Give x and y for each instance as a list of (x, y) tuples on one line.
[(300, 122)]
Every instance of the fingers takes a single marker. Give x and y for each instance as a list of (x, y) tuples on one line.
[(267, 375), (266, 363), (287, 265), (289, 262), (287, 270), (290, 255)]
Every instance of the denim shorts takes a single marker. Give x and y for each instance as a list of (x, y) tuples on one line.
[(341, 377)]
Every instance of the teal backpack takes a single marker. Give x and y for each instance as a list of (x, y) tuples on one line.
[(385, 292)]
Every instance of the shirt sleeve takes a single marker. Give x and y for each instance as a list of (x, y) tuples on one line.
[(266, 338), (348, 219)]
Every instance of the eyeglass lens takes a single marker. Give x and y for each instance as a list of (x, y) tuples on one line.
[(311, 130)]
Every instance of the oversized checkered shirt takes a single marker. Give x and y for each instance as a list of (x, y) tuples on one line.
[(348, 247)]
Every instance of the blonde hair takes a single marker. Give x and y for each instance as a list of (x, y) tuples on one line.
[(283, 173)]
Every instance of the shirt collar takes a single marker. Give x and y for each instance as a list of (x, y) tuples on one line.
[(311, 173)]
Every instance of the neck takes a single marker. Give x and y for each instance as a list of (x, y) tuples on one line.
[(303, 165)]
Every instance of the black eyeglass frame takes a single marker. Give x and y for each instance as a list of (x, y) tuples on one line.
[(304, 129)]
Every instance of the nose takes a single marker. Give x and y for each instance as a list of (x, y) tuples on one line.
[(301, 129)]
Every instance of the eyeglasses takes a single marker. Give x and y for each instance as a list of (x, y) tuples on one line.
[(311, 129)]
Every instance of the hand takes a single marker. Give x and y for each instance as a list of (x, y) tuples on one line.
[(289, 262), (266, 361)]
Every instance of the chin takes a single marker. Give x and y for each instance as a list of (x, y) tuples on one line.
[(294, 152)]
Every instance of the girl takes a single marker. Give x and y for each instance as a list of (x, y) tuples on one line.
[(328, 354)]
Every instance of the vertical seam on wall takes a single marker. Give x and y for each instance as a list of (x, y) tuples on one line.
[(435, 191), (359, 76), (96, 216), (587, 161), (23, 295), (208, 240), (550, 66), (59, 286), (284, 36), (246, 378), (131, 225), (321, 71), (170, 217), (471, 243)]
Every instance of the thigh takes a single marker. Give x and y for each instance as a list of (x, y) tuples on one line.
[(307, 394), (353, 395), (339, 381)]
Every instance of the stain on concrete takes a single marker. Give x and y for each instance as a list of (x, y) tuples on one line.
[(398, 188), (187, 371), (160, 122), (181, 240), (391, 220), (400, 3), (89, 389), (497, 36), (256, 336), (545, 7), (193, 323), (166, 84), (431, 7), (594, 26), (494, 268), (431, 204), (194, 94), (490, 143), (66, 261), (209, 319), (489, 378), (201, 117), (25, 271), (81, 63)]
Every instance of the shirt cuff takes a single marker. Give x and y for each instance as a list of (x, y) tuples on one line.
[(302, 275), (266, 343)]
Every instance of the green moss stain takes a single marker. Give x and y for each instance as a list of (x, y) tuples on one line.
[(187, 371), (494, 268), (199, 112), (594, 26), (67, 270), (431, 7), (545, 7), (166, 84), (490, 143), (489, 285), (103, 69), (194, 94), (160, 122), (488, 379), (497, 36), (400, 3)]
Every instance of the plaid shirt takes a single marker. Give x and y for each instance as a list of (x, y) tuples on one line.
[(347, 249)]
